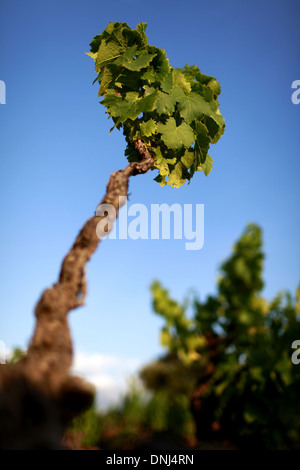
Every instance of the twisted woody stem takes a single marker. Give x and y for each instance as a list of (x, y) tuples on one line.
[(49, 356)]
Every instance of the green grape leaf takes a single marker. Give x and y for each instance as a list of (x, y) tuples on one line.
[(127, 108), (176, 84), (148, 102), (161, 180), (149, 75), (168, 83), (148, 128), (165, 103), (175, 177), (180, 80), (202, 142), (107, 53), (127, 79), (93, 55), (159, 68), (206, 166), (106, 79), (188, 159), (176, 137), (111, 98), (148, 90), (192, 106), (163, 163), (215, 125), (141, 28), (135, 64)]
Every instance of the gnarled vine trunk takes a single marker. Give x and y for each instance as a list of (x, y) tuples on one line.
[(38, 395)]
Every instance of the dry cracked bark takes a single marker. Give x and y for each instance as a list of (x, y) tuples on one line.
[(41, 384)]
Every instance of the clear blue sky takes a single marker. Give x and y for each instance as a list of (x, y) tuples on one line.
[(56, 156)]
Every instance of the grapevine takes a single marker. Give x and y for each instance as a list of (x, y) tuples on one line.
[(175, 112)]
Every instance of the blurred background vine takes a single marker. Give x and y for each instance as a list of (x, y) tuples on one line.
[(227, 375)]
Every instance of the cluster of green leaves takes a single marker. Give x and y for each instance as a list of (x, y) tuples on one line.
[(245, 342), (178, 333), (88, 427), (173, 111), (18, 355)]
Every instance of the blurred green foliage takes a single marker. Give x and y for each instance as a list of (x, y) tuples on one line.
[(88, 426), (227, 374), (17, 355), (247, 387), (133, 422)]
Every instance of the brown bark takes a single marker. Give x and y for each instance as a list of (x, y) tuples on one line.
[(46, 368)]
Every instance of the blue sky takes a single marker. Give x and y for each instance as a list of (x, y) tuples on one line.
[(56, 156)]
